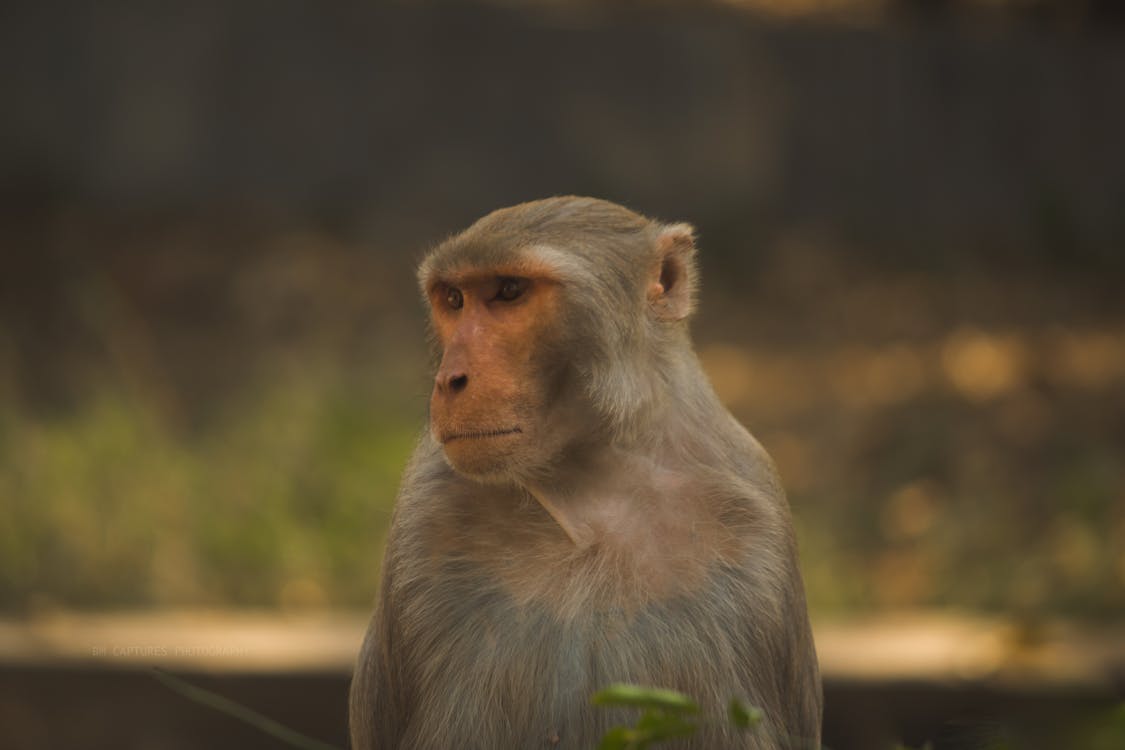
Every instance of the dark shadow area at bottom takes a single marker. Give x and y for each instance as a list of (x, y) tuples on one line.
[(123, 709)]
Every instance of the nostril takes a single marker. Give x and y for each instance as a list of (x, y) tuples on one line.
[(457, 383)]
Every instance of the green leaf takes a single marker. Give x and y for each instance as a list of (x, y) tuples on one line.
[(653, 727), (744, 716), (634, 696), (617, 738)]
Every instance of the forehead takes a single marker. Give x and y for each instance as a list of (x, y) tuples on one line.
[(466, 263), (563, 237)]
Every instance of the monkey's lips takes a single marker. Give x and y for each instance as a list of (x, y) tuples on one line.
[(450, 437)]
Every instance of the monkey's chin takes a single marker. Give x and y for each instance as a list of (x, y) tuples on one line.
[(489, 458)]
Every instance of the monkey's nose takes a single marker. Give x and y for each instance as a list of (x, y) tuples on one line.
[(451, 383)]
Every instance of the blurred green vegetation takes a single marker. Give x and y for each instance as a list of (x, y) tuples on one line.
[(218, 413), (284, 501)]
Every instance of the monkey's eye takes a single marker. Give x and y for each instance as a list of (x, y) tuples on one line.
[(511, 288), (453, 298)]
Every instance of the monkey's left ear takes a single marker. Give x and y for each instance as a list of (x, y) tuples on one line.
[(671, 288)]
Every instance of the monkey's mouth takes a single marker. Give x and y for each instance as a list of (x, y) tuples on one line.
[(475, 434)]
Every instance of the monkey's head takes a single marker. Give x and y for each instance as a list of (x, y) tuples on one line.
[(559, 323)]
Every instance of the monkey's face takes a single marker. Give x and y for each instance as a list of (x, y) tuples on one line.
[(554, 320), (490, 403)]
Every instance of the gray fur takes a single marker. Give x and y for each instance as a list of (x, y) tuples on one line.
[(454, 658)]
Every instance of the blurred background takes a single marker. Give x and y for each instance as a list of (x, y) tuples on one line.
[(213, 361)]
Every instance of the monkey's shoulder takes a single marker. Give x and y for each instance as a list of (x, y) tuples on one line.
[(641, 550)]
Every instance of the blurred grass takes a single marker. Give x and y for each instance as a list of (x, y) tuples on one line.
[(284, 502)]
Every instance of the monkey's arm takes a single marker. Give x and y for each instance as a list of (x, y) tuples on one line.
[(795, 667), (806, 699), (776, 615), (376, 713)]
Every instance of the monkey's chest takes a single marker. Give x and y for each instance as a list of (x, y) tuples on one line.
[(610, 579), (520, 674)]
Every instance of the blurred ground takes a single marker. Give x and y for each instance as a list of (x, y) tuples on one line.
[(965, 682)]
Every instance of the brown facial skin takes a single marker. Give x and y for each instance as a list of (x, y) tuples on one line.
[(490, 388), (582, 510)]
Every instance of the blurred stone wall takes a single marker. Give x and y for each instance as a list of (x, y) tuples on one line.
[(411, 119)]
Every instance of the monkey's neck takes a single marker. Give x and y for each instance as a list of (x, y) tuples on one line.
[(580, 533), (611, 498)]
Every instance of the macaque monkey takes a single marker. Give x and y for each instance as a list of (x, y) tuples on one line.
[(582, 510)]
